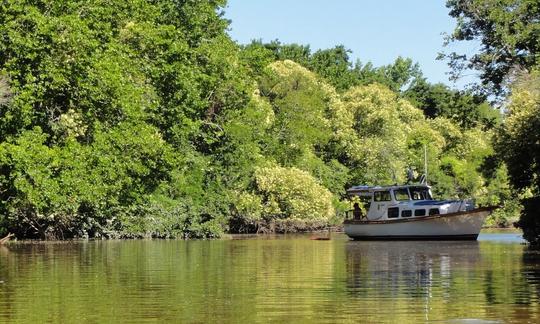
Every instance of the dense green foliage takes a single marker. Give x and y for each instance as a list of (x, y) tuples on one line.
[(143, 118), (403, 76), (519, 141), (509, 62), (518, 144), (112, 116)]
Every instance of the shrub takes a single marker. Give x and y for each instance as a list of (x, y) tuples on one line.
[(292, 193)]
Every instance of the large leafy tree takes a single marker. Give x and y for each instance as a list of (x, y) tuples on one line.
[(519, 146), (519, 140), (508, 32), (508, 60), (112, 102)]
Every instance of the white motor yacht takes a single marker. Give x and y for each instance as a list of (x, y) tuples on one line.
[(409, 212)]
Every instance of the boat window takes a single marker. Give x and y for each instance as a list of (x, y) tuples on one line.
[(434, 211), (393, 212), (382, 196), (401, 194), (420, 212), (406, 213), (420, 193)]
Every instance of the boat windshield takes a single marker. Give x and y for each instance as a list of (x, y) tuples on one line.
[(420, 193), (401, 194)]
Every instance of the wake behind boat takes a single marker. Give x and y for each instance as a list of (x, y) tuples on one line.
[(409, 212)]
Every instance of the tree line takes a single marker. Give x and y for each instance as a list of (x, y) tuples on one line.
[(144, 119)]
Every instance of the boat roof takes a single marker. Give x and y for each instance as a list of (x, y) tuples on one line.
[(365, 188)]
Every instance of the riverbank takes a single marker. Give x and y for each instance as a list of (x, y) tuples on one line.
[(260, 229)]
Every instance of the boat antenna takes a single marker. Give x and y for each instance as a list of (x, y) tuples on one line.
[(425, 163)]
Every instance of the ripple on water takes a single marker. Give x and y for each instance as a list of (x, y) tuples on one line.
[(271, 280)]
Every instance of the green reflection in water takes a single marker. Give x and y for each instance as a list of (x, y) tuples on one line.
[(269, 279)]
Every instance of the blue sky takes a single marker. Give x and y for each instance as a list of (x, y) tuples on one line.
[(376, 31)]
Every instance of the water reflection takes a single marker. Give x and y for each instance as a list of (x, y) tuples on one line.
[(444, 280), (409, 267), (531, 263), (268, 279)]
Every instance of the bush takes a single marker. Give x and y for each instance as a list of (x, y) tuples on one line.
[(292, 193), (529, 220)]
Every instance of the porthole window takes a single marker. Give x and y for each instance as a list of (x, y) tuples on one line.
[(434, 211), (420, 212), (406, 213)]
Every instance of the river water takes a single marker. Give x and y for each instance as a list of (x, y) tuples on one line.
[(260, 279)]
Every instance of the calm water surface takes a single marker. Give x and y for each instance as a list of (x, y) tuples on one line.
[(271, 279)]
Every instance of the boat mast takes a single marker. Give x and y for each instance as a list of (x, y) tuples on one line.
[(425, 163)]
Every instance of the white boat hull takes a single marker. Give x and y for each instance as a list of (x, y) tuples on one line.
[(455, 226)]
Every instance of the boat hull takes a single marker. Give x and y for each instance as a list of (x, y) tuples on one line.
[(455, 226)]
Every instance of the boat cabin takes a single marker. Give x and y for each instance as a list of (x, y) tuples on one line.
[(397, 202)]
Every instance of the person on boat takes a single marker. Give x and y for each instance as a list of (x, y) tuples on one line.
[(357, 211)]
